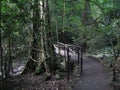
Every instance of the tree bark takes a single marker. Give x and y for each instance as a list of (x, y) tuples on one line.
[(37, 53), (86, 13), (32, 62), (48, 26), (1, 56), (9, 57)]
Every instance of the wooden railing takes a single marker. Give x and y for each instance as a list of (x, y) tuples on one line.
[(67, 50)]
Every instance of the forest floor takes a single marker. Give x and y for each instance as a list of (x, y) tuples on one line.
[(95, 77), (38, 82), (34, 82)]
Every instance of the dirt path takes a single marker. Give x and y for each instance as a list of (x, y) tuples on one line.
[(94, 77)]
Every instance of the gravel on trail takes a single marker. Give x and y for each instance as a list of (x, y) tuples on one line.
[(95, 77)]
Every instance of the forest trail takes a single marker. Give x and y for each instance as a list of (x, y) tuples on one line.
[(95, 77)]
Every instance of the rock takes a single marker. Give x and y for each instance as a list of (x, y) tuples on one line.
[(18, 70), (21, 68)]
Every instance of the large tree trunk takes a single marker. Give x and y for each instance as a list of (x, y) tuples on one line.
[(85, 21), (32, 62), (9, 63), (86, 13), (48, 26), (1, 56), (38, 53)]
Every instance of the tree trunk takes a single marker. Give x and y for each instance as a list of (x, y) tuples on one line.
[(48, 26), (85, 21), (32, 62), (37, 53), (1, 56), (9, 56), (86, 13)]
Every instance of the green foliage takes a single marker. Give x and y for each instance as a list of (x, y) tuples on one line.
[(104, 19)]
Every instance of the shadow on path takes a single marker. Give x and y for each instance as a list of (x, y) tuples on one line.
[(95, 77)]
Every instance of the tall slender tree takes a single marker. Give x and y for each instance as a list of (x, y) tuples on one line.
[(1, 56)]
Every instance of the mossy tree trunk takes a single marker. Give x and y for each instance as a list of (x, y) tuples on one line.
[(35, 49), (38, 52)]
